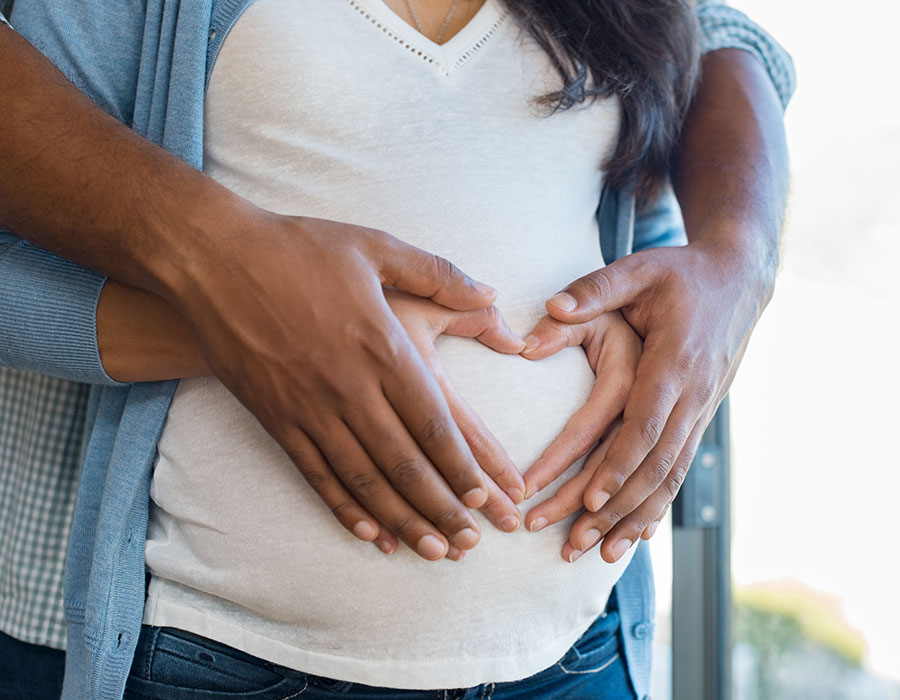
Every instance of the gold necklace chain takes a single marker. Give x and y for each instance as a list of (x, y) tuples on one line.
[(444, 25)]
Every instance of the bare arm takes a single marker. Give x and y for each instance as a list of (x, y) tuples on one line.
[(142, 338)]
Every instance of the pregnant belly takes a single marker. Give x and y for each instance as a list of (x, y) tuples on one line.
[(236, 521)]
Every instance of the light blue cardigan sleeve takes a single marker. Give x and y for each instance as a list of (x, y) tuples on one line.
[(48, 305)]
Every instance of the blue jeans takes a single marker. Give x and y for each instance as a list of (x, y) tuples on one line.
[(174, 665), (29, 671)]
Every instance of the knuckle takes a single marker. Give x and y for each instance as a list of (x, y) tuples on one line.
[(493, 503), (651, 428), (406, 528), (341, 508), (446, 270), (660, 468), (316, 478), (434, 433), (612, 514), (406, 472), (685, 360), (582, 441), (598, 284), (445, 519), (614, 477), (705, 390), (674, 481), (479, 442), (363, 486), (387, 351)]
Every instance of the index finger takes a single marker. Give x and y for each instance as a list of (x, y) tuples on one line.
[(581, 433)]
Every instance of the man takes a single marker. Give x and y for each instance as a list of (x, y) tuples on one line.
[(133, 215)]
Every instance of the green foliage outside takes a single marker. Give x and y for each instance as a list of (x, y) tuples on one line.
[(785, 626)]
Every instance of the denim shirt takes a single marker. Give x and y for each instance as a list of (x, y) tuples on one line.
[(147, 63)]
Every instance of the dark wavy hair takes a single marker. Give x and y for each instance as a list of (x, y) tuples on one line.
[(643, 51)]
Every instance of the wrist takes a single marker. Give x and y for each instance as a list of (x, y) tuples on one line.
[(200, 234), (744, 259)]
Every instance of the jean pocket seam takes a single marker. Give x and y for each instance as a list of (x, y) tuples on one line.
[(602, 667), (151, 652), (299, 692), (205, 665)]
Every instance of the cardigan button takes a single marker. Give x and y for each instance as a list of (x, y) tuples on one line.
[(642, 630)]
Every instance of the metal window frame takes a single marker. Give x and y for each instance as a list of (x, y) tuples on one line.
[(701, 576)]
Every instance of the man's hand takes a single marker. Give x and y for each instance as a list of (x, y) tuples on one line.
[(694, 306), (289, 312), (298, 328), (424, 321)]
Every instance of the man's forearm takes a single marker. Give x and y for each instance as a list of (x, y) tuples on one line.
[(77, 182), (731, 176)]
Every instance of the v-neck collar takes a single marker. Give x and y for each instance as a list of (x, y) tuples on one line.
[(448, 56)]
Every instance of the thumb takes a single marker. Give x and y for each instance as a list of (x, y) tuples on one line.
[(487, 326), (419, 272), (607, 289)]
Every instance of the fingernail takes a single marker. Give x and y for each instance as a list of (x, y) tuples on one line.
[(531, 343), (531, 491), (564, 301), (515, 495), (365, 531), (575, 555), (385, 547), (475, 498), (590, 538), (430, 547), (538, 524), (651, 529), (465, 539), (486, 289), (620, 547), (598, 500), (455, 554), (510, 523)]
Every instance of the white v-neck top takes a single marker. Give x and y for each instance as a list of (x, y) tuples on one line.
[(339, 109)]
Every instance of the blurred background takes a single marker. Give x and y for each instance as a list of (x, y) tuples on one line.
[(815, 477)]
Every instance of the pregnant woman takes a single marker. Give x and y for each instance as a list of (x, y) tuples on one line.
[(482, 131), (348, 110)]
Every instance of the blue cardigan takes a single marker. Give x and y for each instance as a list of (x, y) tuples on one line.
[(147, 63)]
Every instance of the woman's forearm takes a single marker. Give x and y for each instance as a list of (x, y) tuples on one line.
[(143, 338)]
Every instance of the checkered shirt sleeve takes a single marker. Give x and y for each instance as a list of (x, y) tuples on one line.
[(723, 27), (41, 426)]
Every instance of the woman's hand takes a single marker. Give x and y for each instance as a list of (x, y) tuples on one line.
[(613, 350), (424, 320), (569, 499)]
